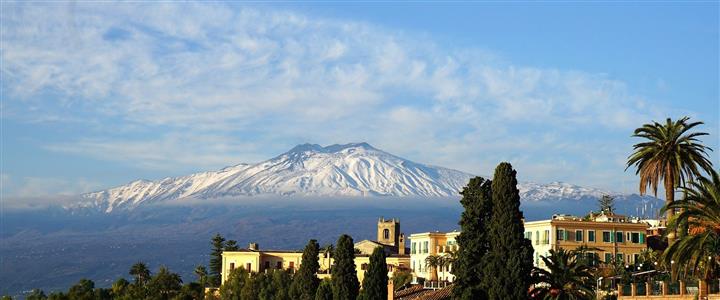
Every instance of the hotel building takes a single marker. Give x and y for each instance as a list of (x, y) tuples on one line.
[(610, 237), (425, 244)]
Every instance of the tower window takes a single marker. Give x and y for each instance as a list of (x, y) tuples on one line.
[(386, 234)]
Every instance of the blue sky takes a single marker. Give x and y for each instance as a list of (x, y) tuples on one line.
[(98, 94)]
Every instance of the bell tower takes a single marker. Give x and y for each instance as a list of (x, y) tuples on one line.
[(388, 232)]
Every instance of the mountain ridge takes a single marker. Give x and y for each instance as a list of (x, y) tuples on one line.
[(354, 169)]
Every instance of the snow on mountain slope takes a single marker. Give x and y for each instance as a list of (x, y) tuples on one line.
[(308, 170), (355, 169)]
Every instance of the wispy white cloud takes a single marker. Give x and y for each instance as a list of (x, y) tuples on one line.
[(213, 83)]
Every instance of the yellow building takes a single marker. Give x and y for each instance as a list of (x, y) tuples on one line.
[(615, 237), (425, 244), (256, 260)]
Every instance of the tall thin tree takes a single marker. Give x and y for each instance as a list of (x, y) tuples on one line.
[(305, 281), (215, 265), (375, 281), (472, 242), (509, 260), (344, 277)]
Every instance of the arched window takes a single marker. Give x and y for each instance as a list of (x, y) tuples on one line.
[(386, 234)]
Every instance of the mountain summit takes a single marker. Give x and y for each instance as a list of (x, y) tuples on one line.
[(352, 170), (355, 169)]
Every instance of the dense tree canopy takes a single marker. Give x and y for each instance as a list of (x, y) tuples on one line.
[(473, 240), (344, 276)]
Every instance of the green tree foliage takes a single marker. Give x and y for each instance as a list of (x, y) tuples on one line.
[(671, 154), (375, 281), (215, 266), (324, 291), (231, 245), (202, 274), (120, 287), (305, 281), (699, 251), (344, 276), (230, 289), (510, 257), (281, 282), (249, 290), (190, 291), (141, 273), (36, 294), (566, 278), (165, 284), (607, 204), (401, 278), (473, 240), (83, 290)]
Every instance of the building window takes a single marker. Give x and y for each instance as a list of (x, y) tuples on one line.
[(608, 258), (591, 235), (278, 265), (386, 234), (578, 235), (426, 247), (546, 237), (412, 248), (528, 235), (267, 265), (619, 257), (560, 234), (636, 256), (619, 236), (607, 237), (413, 266), (537, 237), (248, 267), (635, 238), (292, 265), (232, 266), (363, 267)]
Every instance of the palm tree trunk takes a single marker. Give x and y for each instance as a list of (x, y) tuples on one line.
[(670, 198)]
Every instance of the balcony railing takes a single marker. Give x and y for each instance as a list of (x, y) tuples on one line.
[(435, 285)]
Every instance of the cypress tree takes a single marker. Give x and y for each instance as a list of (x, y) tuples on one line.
[(324, 291), (473, 240), (376, 279), (510, 257), (305, 281), (215, 265), (344, 277)]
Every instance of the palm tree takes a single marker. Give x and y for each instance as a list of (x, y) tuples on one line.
[(201, 272), (433, 261), (699, 251), (671, 154), (141, 273), (566, 277), (327, 255)]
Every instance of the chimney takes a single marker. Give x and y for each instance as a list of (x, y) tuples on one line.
[(254, 247)]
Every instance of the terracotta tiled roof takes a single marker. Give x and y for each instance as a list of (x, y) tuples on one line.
[(417, 292), (413, 289)]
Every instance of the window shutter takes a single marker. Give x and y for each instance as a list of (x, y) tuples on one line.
[(642, 238), (612, 236)]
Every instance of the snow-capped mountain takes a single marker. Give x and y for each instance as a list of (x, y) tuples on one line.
[(531, 191), (356, 169)]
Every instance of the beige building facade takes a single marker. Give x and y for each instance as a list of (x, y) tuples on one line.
[(256, 260), (425, 244), (611, 237)]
